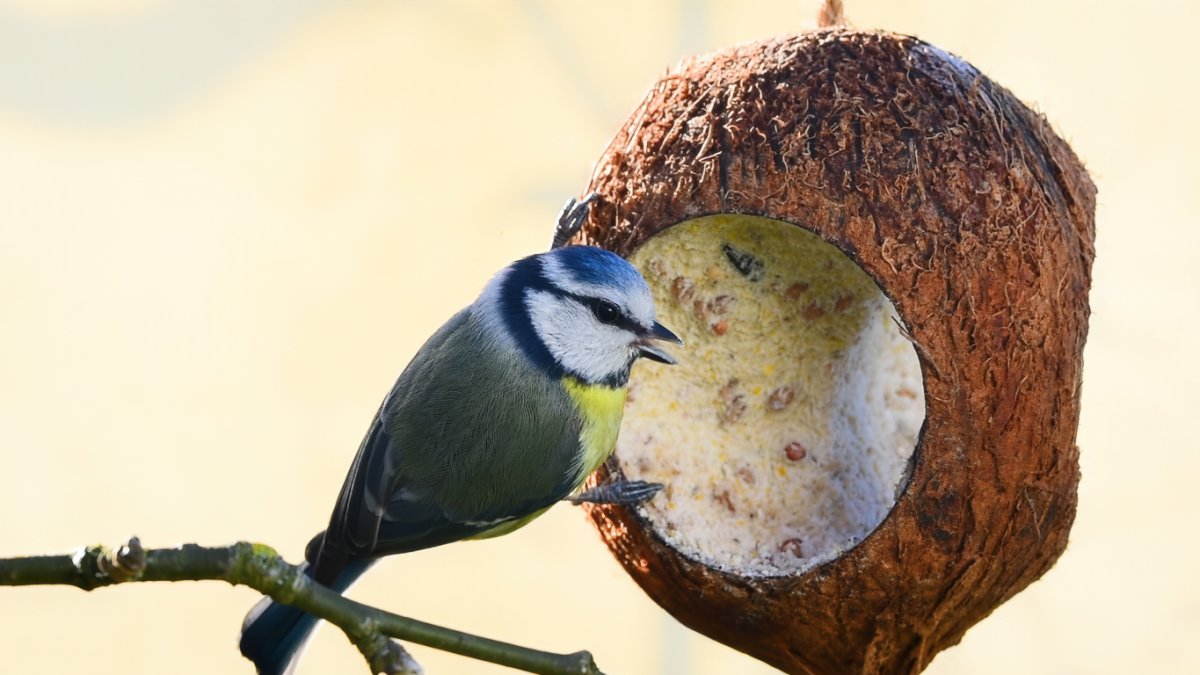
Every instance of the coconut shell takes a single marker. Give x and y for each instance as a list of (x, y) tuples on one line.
[(977, 221)]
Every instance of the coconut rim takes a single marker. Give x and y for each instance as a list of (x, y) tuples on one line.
[(612, 470)]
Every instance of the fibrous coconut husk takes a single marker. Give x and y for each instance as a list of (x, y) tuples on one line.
[(976, 220)]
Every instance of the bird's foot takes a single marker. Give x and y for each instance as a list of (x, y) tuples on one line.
[(618, 492), (571, 218)]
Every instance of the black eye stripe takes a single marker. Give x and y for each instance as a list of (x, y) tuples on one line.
[(601, 307)]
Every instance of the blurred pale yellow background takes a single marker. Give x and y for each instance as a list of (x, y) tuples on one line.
[(226, 225)]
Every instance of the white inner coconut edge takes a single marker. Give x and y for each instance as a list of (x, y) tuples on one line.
[(784, 434)]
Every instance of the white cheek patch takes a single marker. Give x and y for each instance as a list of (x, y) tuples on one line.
[(576, 340)]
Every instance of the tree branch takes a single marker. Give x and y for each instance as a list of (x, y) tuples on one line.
[(261, 568)]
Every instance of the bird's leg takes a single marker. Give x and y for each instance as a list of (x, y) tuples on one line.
[(571, 218), (618, 492)]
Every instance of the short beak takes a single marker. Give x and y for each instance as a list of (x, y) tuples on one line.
[(652, 351)]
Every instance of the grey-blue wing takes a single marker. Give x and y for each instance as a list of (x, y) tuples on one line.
[(469, 437)]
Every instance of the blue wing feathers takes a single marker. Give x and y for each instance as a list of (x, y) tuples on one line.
[(435, 468)]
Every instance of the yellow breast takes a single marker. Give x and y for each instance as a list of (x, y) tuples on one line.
[(601, 409)]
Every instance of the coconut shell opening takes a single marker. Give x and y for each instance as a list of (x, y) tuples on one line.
[(786, 434), (920, 182)]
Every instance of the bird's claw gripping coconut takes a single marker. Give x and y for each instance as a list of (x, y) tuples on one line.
[(571, 218), (618, 492)]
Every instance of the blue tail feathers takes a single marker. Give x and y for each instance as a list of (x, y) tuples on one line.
[(274, 635)]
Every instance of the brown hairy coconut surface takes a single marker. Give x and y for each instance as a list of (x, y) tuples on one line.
[(966, 219)]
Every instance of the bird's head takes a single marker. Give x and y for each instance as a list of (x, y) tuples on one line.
[(578, 311)]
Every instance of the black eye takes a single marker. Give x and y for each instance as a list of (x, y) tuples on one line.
[(605, 311)]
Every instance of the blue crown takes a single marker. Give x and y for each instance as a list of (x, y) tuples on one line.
[(590, 265)]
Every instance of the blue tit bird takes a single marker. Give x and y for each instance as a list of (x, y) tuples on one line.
[(504, 411)]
